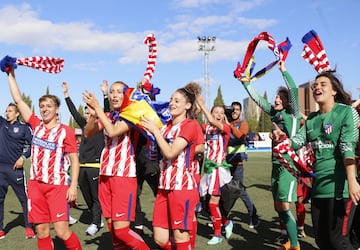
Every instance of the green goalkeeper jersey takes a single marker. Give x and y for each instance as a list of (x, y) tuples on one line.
[(288, 120), (333, 137)]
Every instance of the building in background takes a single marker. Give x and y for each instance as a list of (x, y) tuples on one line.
[(250, 109), (307, 103)]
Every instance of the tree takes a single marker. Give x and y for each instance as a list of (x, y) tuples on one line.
[(47, 92), (217, 101), (200, 119), (251, 115), (72, 122), (253, 125), (219, 98), (265, 123), (81, 112), (28, 101)]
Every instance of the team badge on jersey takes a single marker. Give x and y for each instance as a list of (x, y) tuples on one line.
[(328, 128), (16, 130)]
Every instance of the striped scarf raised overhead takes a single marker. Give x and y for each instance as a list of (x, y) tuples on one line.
[(45, 63), (280, 51), (150, 41), (314, 52)]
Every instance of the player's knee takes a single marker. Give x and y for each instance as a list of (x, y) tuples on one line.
[(62, 231), (161, 240), (42, 230)]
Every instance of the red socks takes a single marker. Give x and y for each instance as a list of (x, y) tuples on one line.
[(117, 244), (179, 246), (216, 218), (300, 214), (45, 243), (73, 243), (224, 221), (166, 246), (183, 246), (193, 233), (131, 238), (282, 226)]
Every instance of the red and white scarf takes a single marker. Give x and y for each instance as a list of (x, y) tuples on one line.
[(314, 52), (45, 63), (280, 52), (150, 41), (146, 85), (303, 165)]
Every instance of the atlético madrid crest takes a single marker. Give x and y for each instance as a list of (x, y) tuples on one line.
[(328, 128)]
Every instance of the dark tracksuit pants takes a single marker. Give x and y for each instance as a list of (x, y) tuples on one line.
[(237, 172), (17, 180), (331, 219), (89, 186)]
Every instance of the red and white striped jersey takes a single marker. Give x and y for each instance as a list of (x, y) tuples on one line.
[(176, 174), (118, 155), (216, 142), (50, 149)]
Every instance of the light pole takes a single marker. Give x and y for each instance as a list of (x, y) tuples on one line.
[(206, 44)]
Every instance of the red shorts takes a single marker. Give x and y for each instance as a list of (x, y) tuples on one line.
[(174, 209), (47, 203), (117, 197), (302, 188)]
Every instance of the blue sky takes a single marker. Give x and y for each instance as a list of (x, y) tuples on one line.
[(104, 40)]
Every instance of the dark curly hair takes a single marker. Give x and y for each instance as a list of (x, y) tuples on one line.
[(341, 95)]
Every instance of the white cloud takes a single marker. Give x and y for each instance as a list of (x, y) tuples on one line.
[(21, 25), (90, 66), (244, 6), (199, 24), (259, 24), (195, 3), (235, 5)]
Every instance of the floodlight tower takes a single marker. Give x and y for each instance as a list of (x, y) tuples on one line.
[(206, 44)]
